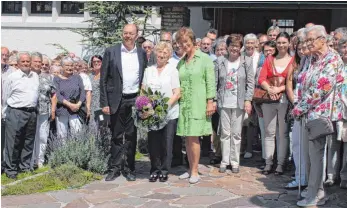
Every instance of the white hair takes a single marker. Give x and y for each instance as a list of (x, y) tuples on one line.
[(66, 59), (54, 67), (12, 58), (21, 53), (319, 29), (174, 37), (342, 30), (44, 56), (248, 37), (36, 54), (301, 34), (148, 41), (272, 28)]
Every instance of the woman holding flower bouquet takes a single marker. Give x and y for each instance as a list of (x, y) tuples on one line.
[(197, 79), (162, 77)]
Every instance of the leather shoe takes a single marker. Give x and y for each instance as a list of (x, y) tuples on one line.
[(111, 176), (130, 177), (163, 178), (153, 178)]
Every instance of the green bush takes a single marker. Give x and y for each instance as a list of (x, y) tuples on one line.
[(87, 150)]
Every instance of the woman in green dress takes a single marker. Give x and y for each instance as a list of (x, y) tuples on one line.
[(197, 79)]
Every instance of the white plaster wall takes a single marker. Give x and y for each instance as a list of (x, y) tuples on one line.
[(36, 39), (197, 23)]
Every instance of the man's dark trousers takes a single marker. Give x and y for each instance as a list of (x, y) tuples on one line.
[(122, 124), (20, 132)]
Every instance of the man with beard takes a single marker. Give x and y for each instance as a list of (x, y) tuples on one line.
[(120, 80), (21, 97)]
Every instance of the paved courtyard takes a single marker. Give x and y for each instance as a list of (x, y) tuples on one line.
[(247, 189)]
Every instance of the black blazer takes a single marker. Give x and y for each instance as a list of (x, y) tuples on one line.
[(111, 76)]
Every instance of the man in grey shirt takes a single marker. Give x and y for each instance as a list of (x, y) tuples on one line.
[(21, 95)]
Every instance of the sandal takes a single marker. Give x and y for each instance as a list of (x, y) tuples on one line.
[(279, 170), (267, 170)]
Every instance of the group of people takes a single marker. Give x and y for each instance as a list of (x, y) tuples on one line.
[(282, 84)]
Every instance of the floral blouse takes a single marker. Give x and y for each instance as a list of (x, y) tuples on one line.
[(46, 91), (344, 93), (317, 84)]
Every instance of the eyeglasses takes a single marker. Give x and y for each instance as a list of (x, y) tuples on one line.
[(5, 55), (45, 64), (96, 62), (312, 40), (147, 47), (168, 41)]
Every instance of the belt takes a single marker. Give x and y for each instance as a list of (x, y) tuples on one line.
[(129, 96), (26, 109)]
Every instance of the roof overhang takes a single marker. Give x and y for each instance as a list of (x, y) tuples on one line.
[(248, 4)]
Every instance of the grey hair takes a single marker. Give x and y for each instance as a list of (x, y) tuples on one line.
[(21, 53), (36, 54), (12, 58), (342, 41), (301, 34), (212, 31), (44, 56), (273, 28), (174, 37), (342, 30), (329, 38), (320, 30), (248, 37), (66, 59), (76, 59), (54, 67), (148, 41)]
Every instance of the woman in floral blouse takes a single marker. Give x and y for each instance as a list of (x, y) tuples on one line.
[(235, 86), (318, 100), (276, 66)]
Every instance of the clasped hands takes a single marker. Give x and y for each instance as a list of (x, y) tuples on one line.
[(274, 92)]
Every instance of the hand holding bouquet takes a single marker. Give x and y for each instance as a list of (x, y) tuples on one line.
[(150, 110)]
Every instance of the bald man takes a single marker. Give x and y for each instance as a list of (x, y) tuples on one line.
[(121, 76), (310, 24), (206, 47)]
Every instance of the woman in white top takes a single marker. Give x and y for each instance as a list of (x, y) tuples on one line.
[(163, 77)]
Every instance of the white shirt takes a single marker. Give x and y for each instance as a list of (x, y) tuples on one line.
[(86, 82), (230, 95), (22, 89), (174, 59), (130, 70), (165, 83), (256, 56)]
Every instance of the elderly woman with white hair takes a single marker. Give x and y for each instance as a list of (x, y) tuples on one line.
[(71, 96), (320, 98), (221, 48), (272, 32), (163, 77)]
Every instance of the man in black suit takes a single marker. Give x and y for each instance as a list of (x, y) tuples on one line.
[(120, 80)]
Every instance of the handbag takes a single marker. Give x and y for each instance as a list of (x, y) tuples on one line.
[(262, 96), (321, 126), (82, 114)]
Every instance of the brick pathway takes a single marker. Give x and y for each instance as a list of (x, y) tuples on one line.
[(247, 189)]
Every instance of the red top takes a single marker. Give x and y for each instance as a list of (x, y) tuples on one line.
[(268, 70)]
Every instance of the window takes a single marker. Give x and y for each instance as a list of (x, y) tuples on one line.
[(12, 7), (71, 7), (41, 7), (284, 25)]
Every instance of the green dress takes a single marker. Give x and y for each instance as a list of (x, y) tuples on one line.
[(197, 85)]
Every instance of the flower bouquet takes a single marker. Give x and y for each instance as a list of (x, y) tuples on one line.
[(150, 110)]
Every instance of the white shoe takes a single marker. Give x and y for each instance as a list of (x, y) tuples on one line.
[(311, 202), (194, 179), (248, 155), (184, 176), (304, 193)]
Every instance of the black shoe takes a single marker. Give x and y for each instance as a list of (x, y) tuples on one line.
[(163, 178), (215, 160), (153, 178), (112, 175), (14, 176), (130, 177)]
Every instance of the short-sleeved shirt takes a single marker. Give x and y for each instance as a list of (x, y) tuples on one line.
[(230, 96), (164, 82)]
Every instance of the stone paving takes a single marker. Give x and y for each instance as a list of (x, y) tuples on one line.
[(248, 189)]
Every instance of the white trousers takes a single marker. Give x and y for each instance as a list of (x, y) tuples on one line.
[(296, 137), (68, 124), (40, 145), (231, 127)]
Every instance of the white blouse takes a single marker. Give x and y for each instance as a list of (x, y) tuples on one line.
[(164, 82)]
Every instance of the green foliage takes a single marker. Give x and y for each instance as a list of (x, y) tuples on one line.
[(63, 177), (87, 150), (105, 28), (64, 51), (5, 180)]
